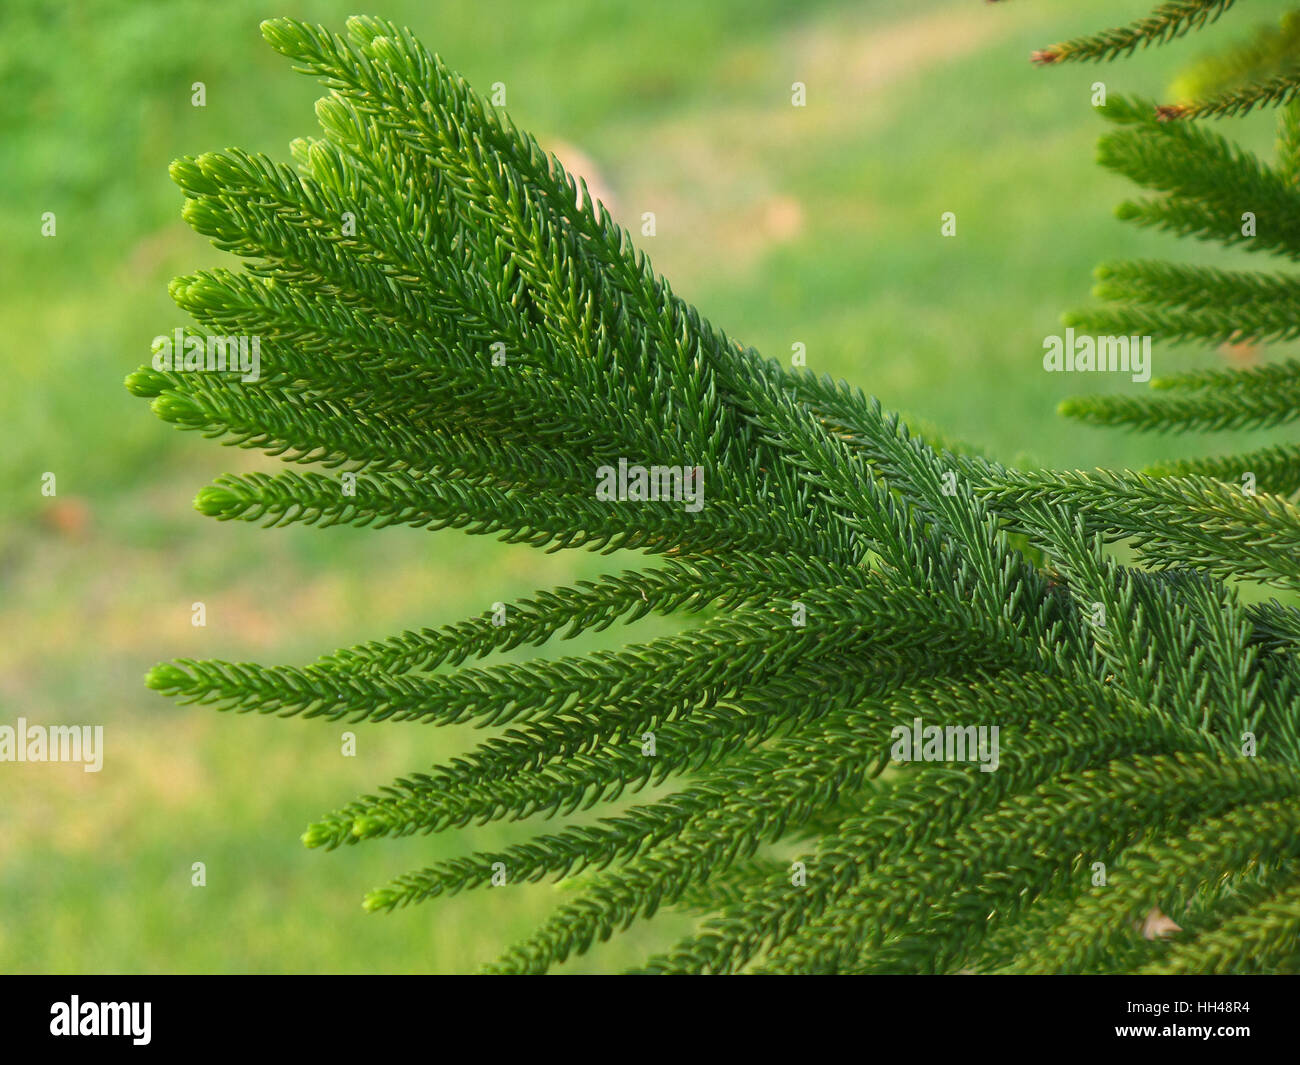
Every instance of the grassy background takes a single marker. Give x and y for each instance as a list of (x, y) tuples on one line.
[(817, 225)]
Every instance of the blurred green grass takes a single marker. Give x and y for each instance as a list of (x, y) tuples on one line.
[(817, 225)]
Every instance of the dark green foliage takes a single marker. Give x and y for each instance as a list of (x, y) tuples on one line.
[(1209, 188), (847, 577)]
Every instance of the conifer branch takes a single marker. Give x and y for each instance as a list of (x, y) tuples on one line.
[(1167, 22), (450, 323)]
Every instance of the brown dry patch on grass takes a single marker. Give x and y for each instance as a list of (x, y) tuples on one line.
[(63, 808), (881, 55), (719, 184)]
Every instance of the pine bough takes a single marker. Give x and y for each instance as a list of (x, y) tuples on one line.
[(483, 337)]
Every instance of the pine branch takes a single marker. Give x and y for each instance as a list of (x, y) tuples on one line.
[(1235, 535), (923, 810), (1258, 828), (998, 863), (1205, 173), (1167, 22), (1263, 939), (1276, 468), (453, 324)]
